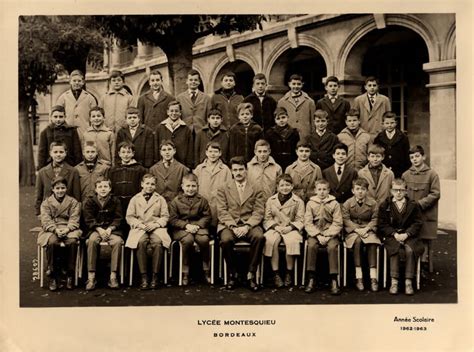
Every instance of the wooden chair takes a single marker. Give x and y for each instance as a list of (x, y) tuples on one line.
[(295, 269), (305, 252), (238, 245), (344, 266), (165, 265), (385, 261)]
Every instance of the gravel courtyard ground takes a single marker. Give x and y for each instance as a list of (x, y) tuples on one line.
[(439, 287)]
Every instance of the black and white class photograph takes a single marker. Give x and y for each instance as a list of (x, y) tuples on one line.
[(218, 160)]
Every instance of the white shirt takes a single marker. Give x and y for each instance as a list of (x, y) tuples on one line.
[(240, 189), (390, 134), (336, 167)]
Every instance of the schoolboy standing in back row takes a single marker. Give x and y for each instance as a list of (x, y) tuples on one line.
[(226, 99), (283, 139), (194, 103), (395, 143), (334, 105), (371, 106), (263, 104), (299, 105), (116, 102), (152, 105)]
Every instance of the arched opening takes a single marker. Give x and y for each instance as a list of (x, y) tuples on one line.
[(395, 55), (304, 61), (243, 74)]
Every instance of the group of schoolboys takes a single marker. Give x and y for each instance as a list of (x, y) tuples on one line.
[(352, 192)]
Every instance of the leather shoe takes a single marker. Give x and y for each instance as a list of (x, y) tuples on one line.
[(288, 280), (90, 285), (374, 285), (409, 288), (144, 284), (278, 281), (393, 287), (360, 284), (113, 283), (185, 280), (69, 283), (335, 290), (207, 276), (253, 286), (230, 284), (53, 285), (311, 286), (154, 281)]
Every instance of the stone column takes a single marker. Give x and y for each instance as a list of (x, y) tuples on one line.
[(350, 86), (442, 89), (114, 55), (143, 52)]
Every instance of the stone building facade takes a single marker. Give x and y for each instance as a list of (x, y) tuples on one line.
[(414, 56)]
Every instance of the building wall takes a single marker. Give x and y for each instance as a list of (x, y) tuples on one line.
[(340, 42)]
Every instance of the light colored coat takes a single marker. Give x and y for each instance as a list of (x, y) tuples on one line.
[(371, 120), (290, 213), (323, 217), (264, 175), (77, 111), (55, 215), (194, 114), (381, 190), (357, 216), (300, 116), (232, 212), (115, 105), (141, 212), (424, 188), (357, 147), (304, 178), (104, 139)]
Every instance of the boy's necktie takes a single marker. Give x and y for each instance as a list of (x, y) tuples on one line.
[(193, 97), (339, 171)]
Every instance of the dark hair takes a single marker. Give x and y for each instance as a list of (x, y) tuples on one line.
[(175, 102), (96, 108), (340, 146), (115, 74), (214, 111), (332, 79), (284, 177), (417, 149), (389, 115), (280, 111), (295, 77), (126, 145), (353, 112), (259, 76), (362, 182), (238, 160), (155, 72), (193, 72), (59, 108), (132, 110), (228, 74), (371, 78), (58, 179), (167, 142), (89, 144), (214, 145), (303, 144)]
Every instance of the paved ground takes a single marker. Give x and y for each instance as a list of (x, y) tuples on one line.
[(438, 287)]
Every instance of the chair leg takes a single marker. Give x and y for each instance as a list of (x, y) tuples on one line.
[(295, 274), (418, 273), (171, 258), (41, 265), (303, 274), (211, 264), (339, 265), (344, 267), (385, 264), (165, 266), (224, 264), (122, 258), (377, 263), (131, 268), (78, 258), (180, 272), (262, 262), (220, 262)]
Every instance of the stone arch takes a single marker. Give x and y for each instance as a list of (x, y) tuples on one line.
[(224, 60), (449, 47), (426, 32), (141, 84), (303, 40)]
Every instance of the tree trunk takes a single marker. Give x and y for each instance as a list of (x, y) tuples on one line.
[(180, 61), (26, 160)]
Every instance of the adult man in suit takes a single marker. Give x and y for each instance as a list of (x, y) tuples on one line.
[(371, 106), (195, 105), (334, 105), (240, 210)]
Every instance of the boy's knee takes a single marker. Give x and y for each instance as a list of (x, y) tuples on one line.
[(312, 243)]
